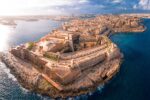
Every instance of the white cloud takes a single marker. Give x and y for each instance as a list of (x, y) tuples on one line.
[(144, 4), (14, 7), (88, 8), (83, 1), (116, 1), (135, 6)]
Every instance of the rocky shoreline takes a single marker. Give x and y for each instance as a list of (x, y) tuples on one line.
[(30, 77), (95, 68)]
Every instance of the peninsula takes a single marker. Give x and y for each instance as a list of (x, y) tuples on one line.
[(72, 60)]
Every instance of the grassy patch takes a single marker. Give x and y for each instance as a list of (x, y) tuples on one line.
[(51, 56), (30, 45)]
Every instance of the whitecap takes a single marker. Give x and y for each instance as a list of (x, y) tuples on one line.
[(7, 71), (100, 88), (24, 90)]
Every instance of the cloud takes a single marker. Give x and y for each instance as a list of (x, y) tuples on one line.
[(116, 1), (83, 1), (135, 6), (14, 7), (144, 4), (27, 7)]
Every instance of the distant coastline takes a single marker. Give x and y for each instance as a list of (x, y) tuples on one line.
[(10, 20)]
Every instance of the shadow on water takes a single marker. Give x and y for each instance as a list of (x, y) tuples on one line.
[(133, 81)]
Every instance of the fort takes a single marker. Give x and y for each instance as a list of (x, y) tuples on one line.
[(72, 60)]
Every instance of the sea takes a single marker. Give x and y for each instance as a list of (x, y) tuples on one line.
[(132, 82)]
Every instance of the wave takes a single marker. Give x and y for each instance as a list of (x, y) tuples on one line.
[(100, 88), (86, 96), (7, 71)]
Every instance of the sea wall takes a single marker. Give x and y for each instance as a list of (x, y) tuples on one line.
[(25, 54)]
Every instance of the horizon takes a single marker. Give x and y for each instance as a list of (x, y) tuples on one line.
[(30, 15), (74, 49)]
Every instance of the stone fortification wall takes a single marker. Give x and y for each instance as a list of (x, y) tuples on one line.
[(29, 56), (77, 54), (62, 75), (90, 61)]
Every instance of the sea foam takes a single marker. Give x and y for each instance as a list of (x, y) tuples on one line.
[(7, 71)]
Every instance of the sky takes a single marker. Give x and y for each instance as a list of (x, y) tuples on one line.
[(61, 7)]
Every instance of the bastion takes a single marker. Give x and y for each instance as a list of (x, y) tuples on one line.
[(72, 60)]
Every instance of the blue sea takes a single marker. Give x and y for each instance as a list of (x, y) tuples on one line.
[(131, 83)]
